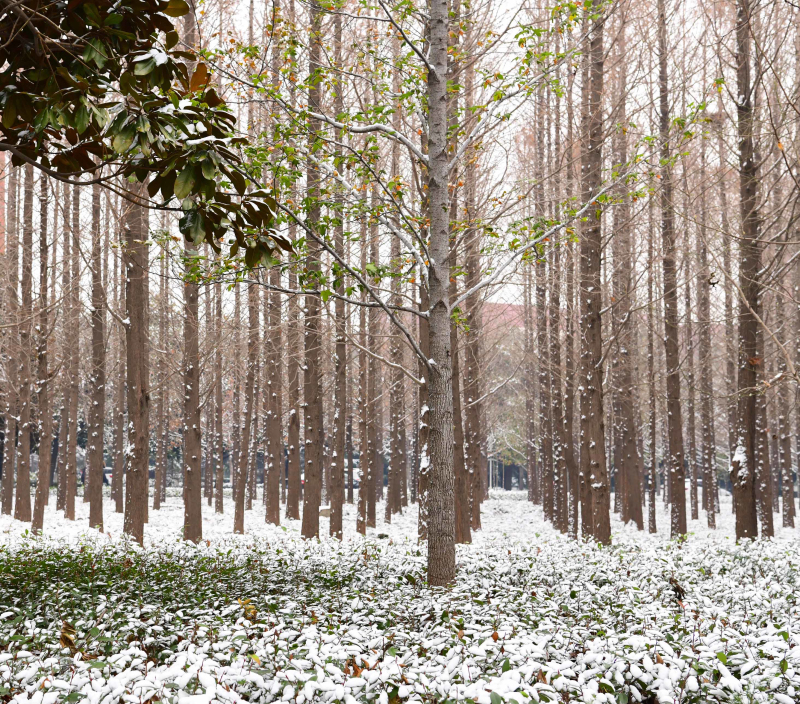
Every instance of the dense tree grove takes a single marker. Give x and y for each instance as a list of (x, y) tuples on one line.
[(310, 254)]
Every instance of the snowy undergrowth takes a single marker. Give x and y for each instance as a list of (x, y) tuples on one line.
[(273, 619)]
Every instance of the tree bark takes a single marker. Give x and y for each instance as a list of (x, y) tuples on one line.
[(135, 227), (593, 458), (675, 466), (743, 463), (22, 506), (44, 383), (192, 440), (313, 337), (73, 347), (97, 411), (340, 321), (440, 499)]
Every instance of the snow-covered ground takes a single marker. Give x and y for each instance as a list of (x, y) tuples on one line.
[(507, 515), (268, 616)]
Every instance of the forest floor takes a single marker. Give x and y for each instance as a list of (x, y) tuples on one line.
[(534, 617)]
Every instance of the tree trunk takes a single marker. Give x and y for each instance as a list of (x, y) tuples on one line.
[(118, 467), (44, 385), (340, 354), (73, 341), (11, 303), (192, 441), (473, 311), (440, 499), (675, 467), (744, 461), (161, 454), (136, 226), (709, 450), (237, 392), (22, 506), (219, 453), (313, 336), (462, 508), (97, 411), (651, 371), (274, 458), (593, 442), (691, 421)]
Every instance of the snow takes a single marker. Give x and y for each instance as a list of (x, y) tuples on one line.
[(268, 616)]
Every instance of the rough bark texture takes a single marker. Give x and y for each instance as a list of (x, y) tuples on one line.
[(135, 227), (440, 501), (274, 457), (593, 458), (97, 411), (44, 385), (743, 463), (675, 459), (22, 506), (312, 489), (340, 321), (192, 478)]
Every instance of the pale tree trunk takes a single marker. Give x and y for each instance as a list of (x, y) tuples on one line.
[(593, 442), (651, 372), (22, 506), (237, 394), (691, 421), (560, 511), (423, 399), (11, 304), (249, 404), (763, 465), (625, 416), (209, 444), (274, 457), (192, 478), (561, 482), (61, 497), (135, 227), (396, 377), (544, 485), (709, 450), (44, 385), (295, 342), (744, 461), (219, 444), (785, 428), (531, 446), (73, 338), (313, 436), (569, 330), (252, 448), (440, 500), (161, 449), (363, 395), (730, 344), (462, 508), (675, 467), (374, 466), (340, 355), (97, 410), (473, 309), (294, 335), (118, 466)]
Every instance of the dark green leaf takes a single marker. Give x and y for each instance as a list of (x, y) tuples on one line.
[(185, 182)]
